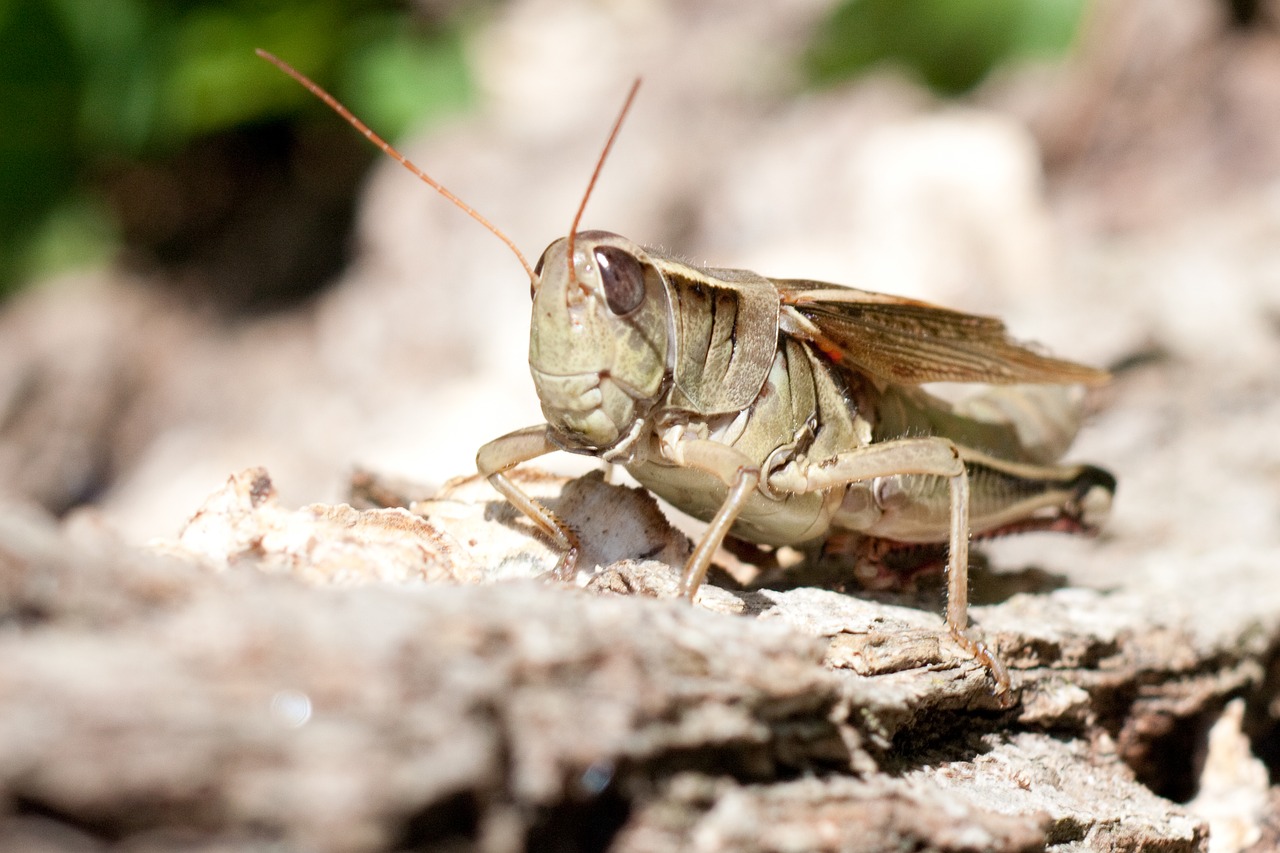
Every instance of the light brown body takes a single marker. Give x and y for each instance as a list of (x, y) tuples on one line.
[(781, 410)]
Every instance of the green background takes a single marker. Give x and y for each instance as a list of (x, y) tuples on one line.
[(125, 120)]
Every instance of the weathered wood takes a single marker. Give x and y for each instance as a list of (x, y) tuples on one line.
[(331, 685), (334, 678)]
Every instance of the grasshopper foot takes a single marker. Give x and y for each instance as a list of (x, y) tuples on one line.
[(983, 655)]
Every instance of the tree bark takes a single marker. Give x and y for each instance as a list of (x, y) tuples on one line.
[(324, 678)]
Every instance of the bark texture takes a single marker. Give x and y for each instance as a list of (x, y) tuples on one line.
[(319, 678), (365, 663)]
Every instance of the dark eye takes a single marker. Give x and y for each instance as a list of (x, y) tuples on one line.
[(623, 279)]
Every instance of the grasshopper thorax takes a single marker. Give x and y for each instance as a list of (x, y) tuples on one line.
[(599, 338)]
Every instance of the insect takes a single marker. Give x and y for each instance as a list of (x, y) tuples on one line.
[(781, 410)]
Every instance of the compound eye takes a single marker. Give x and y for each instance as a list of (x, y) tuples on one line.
[(623, 279)]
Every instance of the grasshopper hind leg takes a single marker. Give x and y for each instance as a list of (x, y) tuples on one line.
[(931, 460), (1082, 502)]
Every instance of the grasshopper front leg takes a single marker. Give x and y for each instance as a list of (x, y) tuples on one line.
[(730, 466), (921, 456), (501, 455)]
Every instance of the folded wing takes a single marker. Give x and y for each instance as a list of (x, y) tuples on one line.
[(909, 342)]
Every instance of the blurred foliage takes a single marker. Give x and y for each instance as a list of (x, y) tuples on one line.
[(951, 44), (87, 88), (114, 109)]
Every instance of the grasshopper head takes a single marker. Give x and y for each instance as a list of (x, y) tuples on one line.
[(598, 346)]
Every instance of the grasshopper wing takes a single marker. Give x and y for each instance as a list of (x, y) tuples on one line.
[(909, 342)]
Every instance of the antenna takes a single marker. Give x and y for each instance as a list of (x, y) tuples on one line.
[(338, 108), (613, 134)]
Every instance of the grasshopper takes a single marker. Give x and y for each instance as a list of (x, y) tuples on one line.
[(782, 410)]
